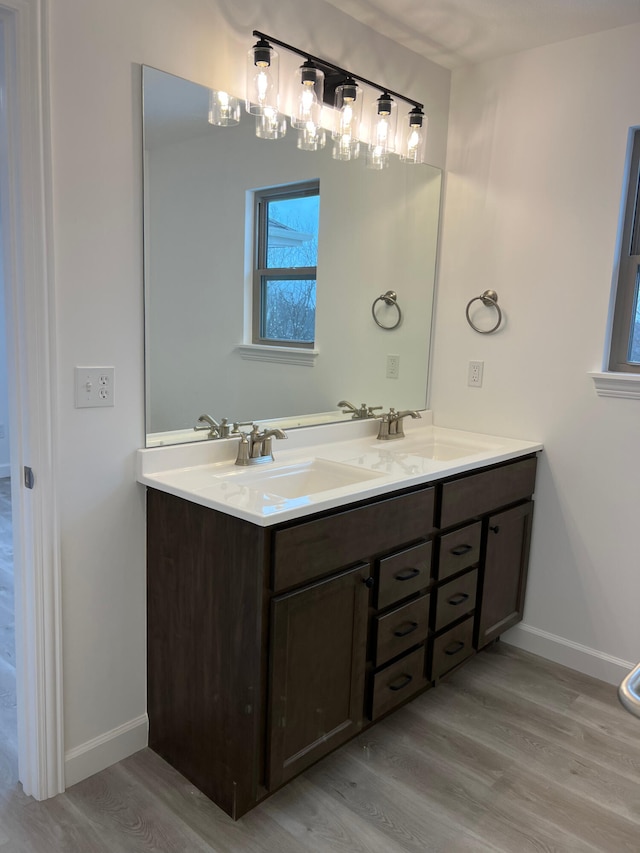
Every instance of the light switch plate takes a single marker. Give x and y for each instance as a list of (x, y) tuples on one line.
[(94, 387)]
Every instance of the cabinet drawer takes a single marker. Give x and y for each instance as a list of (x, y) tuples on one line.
[(311, 549), (452, 648), (478, 494), (455, 599), (404, 573), (459, 550), (398, 682), (401, 629)]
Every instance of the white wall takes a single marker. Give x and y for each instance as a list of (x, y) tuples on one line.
[(5, 467), (96, 52), (535, 170)]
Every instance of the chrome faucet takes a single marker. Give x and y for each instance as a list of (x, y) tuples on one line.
[(356, 414), (255, 446), (216, 430), (391, 424)]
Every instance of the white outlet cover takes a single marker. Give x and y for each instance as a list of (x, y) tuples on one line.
[(94, 387)]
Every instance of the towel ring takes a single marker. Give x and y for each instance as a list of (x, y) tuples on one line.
[(389, 298), (490, 298)]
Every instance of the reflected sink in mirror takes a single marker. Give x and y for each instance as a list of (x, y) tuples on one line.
[(301, 479)]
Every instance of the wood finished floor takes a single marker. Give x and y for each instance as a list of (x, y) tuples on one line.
[(511, 754)]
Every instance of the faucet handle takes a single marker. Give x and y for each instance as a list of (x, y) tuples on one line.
[(237, 424), (371, 410)]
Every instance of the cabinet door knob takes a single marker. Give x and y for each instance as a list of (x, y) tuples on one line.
[(495, 528), (368, 582)]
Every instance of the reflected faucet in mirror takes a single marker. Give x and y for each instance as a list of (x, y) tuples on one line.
[(391, 425), (216, 430), (255, 446), (356, 414)]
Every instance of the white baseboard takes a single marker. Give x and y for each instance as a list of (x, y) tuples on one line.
[(574, 655), (106, 749)]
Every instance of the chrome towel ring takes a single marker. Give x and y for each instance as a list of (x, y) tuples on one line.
[(490, 298), (389, 298)]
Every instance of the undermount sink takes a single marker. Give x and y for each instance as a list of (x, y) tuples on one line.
[(301, 479), (443, 451)]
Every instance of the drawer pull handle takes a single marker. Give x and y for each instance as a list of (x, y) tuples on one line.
[(495, 528), (403, 681), (455, 600), (404, 632), (407, 575), (459, 550), (454, 648)]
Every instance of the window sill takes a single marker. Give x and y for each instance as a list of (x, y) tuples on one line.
[(617, 384), (279, 355)]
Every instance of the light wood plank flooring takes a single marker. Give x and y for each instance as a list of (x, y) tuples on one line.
[(511, 754)]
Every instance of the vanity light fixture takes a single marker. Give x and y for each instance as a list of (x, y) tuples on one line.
[(348, 103), (319, 81), (224, 109), (309, 82), (384, 122), (262, 78), (412, 150)]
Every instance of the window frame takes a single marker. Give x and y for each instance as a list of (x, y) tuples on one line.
[(261, 272), (628, 267)]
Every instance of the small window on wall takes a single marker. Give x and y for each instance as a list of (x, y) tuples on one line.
[(284, 280), (625, 332)]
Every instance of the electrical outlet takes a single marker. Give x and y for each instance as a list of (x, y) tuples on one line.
[(393, 366), (94, 387), (476, 369)]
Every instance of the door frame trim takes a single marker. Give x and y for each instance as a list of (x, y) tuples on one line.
[(26, 210)]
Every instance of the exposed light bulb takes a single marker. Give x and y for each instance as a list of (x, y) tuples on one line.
[(309, 88), (262, 78), (348, 101), (413, 147)]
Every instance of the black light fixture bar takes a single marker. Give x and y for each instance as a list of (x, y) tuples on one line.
[(334, 74)]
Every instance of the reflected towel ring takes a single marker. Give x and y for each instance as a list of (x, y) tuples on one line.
[(490, 298), (389, 298)]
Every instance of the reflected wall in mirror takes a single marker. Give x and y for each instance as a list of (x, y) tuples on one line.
[(377, 232)]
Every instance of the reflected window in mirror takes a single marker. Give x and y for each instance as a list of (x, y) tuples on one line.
[(286, 258)]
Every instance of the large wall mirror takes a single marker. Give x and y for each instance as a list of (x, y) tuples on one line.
[(377, 232)]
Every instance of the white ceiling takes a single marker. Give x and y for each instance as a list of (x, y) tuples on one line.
[(462, 32)]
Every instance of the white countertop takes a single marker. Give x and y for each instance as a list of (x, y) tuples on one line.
[(344, 461)]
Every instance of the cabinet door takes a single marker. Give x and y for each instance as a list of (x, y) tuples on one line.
[(318, 655), (505, 572)]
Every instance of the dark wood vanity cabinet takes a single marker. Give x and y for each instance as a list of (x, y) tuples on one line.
[(268, 647)]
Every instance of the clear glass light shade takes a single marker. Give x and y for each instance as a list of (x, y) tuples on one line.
[(271, 124), (262, 78), (346, 134), (414, 136), (382, 137), (311, 137), (308, 95), (224, 109)]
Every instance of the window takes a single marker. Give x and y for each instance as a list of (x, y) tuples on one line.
[(625, 332), (286, 258)]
